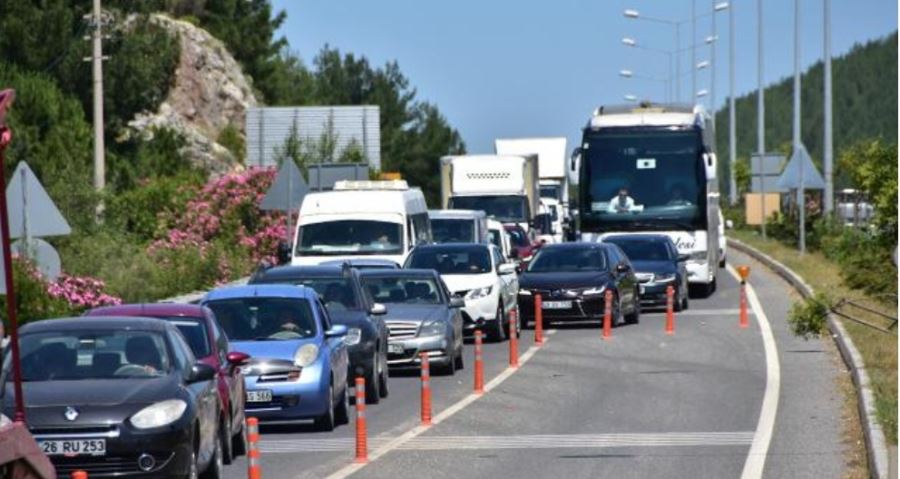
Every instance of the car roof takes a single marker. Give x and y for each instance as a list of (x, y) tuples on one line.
[(96, 322), (574, 245), (637, 237), (362, 262), (262, 291), (293, 272), (397, 273), (150, 309), (451, 246)]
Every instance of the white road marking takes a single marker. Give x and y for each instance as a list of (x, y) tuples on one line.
[(402, 439), (759, 448), (701, 312), (539, 441)]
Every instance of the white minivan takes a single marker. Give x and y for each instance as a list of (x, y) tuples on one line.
[(361, 220)]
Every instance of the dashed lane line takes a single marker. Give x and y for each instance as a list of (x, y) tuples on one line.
[(399, 441)]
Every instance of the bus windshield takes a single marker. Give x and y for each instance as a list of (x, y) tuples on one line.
[(650, 179)]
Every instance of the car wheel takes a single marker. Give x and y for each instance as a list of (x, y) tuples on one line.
[(373, 391), (193, 472), (678, 302), (383, 378), (239, 442), (617, 319), (498, 329), (459, 359), (684, 302), (215, 467), (635, 316), (722, 262), (342, 414), (325, 422), (227, 444)]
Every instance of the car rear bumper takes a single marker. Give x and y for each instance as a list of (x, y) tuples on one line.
[(435, 346)]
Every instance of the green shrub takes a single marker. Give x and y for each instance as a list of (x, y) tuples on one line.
[(808, 318), (138, 211), (230, 137)]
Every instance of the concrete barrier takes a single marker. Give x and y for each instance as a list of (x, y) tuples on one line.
[(876, 446)]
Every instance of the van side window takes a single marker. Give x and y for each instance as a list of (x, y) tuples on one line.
[(422, 227)]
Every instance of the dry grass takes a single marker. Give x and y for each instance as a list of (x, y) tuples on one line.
[(879, 350)]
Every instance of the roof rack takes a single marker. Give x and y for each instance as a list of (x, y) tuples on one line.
[(363, 185)]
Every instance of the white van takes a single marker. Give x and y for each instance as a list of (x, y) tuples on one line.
[(361, 220), (458, 226)]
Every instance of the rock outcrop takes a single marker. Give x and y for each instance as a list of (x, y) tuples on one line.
[(209, 94)]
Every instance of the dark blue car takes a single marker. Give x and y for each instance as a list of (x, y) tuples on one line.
[(657, 265)]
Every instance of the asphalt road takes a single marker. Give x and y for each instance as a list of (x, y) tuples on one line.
[(642, 404)]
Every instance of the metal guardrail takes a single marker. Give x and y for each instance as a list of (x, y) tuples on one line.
[(840, 308)]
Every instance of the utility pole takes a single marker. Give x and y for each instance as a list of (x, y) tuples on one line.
[(828, 159), (693, 50), (798, 142), (732, 135), (760, 110), (712, 73), (97, 75)]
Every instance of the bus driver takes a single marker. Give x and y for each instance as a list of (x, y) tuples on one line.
[(621, 203)]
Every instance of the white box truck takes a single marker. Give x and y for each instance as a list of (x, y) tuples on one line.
[(503, 186), (552, 156)]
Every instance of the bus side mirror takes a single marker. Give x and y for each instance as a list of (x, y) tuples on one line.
[(709, 163), (575, 158)]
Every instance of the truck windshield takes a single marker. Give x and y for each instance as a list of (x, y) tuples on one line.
[(504, 208), (550, 191), (350, 237), (453, 230), (639, 180)]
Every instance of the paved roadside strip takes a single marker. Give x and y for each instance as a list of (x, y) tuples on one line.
[(876, 447)]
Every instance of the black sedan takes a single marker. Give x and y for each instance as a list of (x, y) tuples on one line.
[(423, 317), (342, 294), (117, 397), (572, 279), (657, 266)]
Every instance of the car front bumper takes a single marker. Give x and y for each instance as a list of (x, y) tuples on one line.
[(303, 398), (654, 294), (582, 308)]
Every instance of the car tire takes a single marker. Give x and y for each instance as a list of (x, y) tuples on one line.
[(325, 422), (685, 303), (635, 316), (216, 467), (722, 262), (342, 413), (383, 378), (460, 363), (193, 467), (449, 369), (227, 444), (617, 319), (678, 303), (498, 330), (373, 386), (239, 442)]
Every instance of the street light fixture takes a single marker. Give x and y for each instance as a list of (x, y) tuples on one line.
[(702, 93), (631, 42), (626, 73), (630, 98), (703, 64), (629, 13)]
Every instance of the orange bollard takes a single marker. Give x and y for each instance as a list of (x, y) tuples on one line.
[(254, 469), (607, 315), (79, 475), (479, 364), (538, 320), (744, 272), (426, 389), (362, 447), (670, 310), (513, 340)]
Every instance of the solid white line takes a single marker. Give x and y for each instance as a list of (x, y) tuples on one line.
[(702, 312), (349, 469), (759, 448)]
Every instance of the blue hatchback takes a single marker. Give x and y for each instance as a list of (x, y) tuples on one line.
[(298, 365)]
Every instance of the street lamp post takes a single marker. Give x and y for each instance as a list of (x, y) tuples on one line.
[(732, 135), (625, 73), (801, 203), (828, 157), (760, 110), (631, 42)]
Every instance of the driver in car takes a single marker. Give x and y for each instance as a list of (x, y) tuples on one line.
[(621, 203)]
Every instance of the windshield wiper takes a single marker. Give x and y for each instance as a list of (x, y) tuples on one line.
[(265, 338)]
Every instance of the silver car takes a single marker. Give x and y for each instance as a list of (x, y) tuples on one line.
[(422, 317)]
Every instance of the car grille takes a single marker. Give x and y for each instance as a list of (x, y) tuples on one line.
[(93, 431), (644, 277), (103, 465), (402, 329)]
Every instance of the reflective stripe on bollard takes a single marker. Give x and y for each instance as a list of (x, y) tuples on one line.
[(362, 447), (254, 469), (426, 390), (607, 315), (513, 339), (670, 310), (538, 320), (479, 365)]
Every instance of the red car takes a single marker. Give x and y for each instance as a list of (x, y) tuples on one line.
[(209, 344)]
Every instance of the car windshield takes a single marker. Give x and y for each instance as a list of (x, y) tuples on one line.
[(503, 208), (473, 260), (551, 260), (453, 230), (337, 292), (247, 319), (194, 332), (93, 354), (518, 237), (402, 290), (644, 250), (358, 237)]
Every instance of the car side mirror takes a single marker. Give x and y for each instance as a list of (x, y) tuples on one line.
[(506, 268), (623, 268), (457, 302), (378, 309), (237, 358), (284, 252), (683, 258), (336, 331), (201, 372)]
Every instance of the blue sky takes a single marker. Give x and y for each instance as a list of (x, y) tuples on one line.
[(504, 68)]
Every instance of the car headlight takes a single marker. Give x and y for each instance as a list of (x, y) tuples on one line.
[(697, 256), (353, 336), (524, 292), (593, 291), (664, 278), (479, 292), (433, 328), (160, 414), (306, 355)]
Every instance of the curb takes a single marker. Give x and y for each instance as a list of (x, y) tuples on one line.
[(876, 446)]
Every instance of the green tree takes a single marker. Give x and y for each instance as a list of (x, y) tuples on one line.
[(872, 166)]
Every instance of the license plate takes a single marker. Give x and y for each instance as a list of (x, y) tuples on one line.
[(259, 396), (556, 305), (74, 447), (395, 348)]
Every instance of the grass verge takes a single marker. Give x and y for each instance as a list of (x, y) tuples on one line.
[(879, 350)]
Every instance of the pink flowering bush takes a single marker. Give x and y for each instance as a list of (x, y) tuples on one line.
[(81, 292), (222, 233)]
